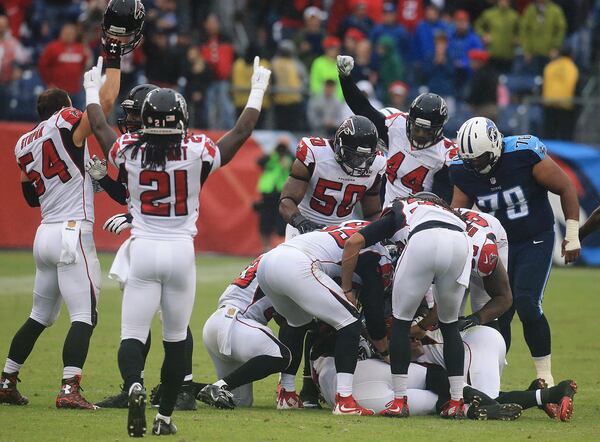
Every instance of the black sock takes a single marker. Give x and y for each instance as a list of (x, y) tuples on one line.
[(77, 344), (400, 347), (309, 340), (504, 326), (255, 369), (171, 375), (292, 338), (436, 381), (189, 352), (346, 348), (525, 399), (24, 340), (131, 362), (454, 350), (147, 346), (537, 336)]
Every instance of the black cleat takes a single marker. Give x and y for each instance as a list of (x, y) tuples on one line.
[(567, 391), (120, 400), (186, 399), (136, 418), (217, 397), (484, 407), (552, 410), (8, 390), (309, 395), (161, 428)]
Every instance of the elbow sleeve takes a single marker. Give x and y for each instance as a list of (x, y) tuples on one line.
[(30, 194)]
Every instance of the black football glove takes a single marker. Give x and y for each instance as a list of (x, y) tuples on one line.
[(303, 224), (113, 52), (468, 322)]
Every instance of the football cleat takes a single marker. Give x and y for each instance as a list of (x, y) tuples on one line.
[(288, 400), (550, 409), (8, 390), (309, 395), (482, 407), (565, 406), (162, 428), (217, 397), (396, 408), (347, 406), (136, 418), (120, 400), (453, 409), (70, 396)]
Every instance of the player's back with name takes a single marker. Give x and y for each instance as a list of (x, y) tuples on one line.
[(510, 192), (165, 202), (55, 166)]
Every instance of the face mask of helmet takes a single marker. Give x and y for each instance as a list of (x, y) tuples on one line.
[(131, 121), (124, 20), (355, 161), (481, 165), (422, 134)]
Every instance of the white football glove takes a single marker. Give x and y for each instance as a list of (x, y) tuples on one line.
[(92, 82), (96, 168), (260, 76), (117, 223), (345, 64)]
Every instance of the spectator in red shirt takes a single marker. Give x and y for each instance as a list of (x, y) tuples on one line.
[(218, 55), (410, 13), (63, 63), (11, 55)]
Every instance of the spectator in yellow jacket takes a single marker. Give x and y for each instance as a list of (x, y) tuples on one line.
[(498, 27)]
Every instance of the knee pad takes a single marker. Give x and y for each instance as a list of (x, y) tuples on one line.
[(528, 308)]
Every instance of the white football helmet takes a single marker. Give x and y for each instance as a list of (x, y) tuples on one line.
[(479, 144)]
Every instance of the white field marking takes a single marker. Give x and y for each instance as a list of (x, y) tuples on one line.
[(12, 285)]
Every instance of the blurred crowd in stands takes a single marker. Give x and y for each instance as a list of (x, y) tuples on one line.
[(483, 56)]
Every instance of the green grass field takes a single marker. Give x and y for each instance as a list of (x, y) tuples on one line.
[(572, 304)]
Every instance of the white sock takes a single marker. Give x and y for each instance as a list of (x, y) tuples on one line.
[(167, 419), (220, 383), (344, 384), (11, 366), (188, 378), (543, 368), (288, 382), (457, 383), (142, 374), (538, 397), (133, 385), (71, 372), (400, 385)]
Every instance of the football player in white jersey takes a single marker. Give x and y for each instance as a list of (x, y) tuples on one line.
[(437, 249), (329, 177), (310, 292), (166, 167), (243, 349), (52, 157), (418, 153)]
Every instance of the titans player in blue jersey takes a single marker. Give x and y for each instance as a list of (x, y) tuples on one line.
[(510, 179)]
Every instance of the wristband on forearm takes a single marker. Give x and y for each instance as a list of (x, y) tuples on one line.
[(572, 235), (255, 99), (92, 96)]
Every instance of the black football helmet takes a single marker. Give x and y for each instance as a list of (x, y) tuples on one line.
[(124, 20), (427, 116), (355, 145), (164, 112), (132, 108)]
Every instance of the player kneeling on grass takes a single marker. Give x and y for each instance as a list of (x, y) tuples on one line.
[(166, 167), (243, 349)]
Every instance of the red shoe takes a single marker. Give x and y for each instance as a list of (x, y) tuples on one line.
[(453, 409), (70, 396), (288, 400), (565, 406), (8, 390), (346, 406), (396, 408), (551, 410)]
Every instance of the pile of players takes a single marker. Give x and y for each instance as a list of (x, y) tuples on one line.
[(376, 306)]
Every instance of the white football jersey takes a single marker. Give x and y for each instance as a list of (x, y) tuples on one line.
[(416, 212), (332, 193), (245, 294), (165, 203), (327, 246), (411, 170), (55, 166), (488, 237)]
